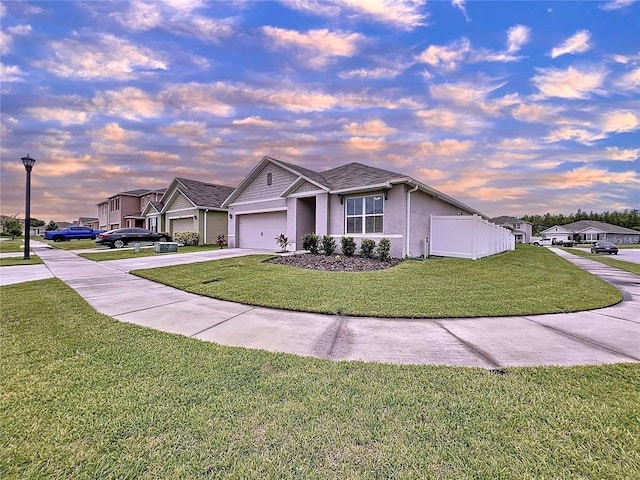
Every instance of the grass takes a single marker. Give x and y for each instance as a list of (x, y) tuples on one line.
[(607, 260), (73, 244), (118, 254), (529, 280), (15, 245), (13, 261), (85, 396)]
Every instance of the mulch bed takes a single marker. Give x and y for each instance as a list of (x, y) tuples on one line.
[(335, 263)]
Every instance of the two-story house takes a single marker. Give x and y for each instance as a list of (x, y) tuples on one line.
[(125, 209), (522, 230)]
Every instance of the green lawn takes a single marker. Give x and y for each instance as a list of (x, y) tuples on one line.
[(607, 260), (8, 245), (73, 244), (118, 254), (12, 261), (528, 280), (85, 396)]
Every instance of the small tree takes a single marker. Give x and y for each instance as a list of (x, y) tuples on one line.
[(384, 250), (310, 242), (51, 226), (36, 222), (367, 246), (328, 245), (12, 226), (348, 246), (283, 242)]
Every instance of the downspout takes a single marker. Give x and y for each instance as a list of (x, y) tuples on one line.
[(205, 227), (407, 254)]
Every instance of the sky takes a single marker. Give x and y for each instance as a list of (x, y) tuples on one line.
[(513, 108)]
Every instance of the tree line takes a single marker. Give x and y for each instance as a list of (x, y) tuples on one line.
[(626, 218)]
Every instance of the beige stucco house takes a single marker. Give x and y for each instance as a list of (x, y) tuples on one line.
[(125, 209), (351, 200)]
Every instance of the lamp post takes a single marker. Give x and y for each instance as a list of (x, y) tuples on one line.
[(28, 165)]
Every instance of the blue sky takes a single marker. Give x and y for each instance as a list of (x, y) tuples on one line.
[(510, 107)]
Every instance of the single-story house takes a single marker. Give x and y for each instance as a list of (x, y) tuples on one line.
[(522, 230), (353, 200), (591, 231), (190, 206)]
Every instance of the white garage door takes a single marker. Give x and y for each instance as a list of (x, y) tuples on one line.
[(182, 225), (259, 230)]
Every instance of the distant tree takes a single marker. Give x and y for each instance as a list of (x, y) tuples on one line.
[(52, 225), (36, 222), (12, 226)]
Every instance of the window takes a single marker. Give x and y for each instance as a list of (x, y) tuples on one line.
[(365, 214), (269, 178)]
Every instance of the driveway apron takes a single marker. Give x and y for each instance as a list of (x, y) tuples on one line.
[(607, 335)]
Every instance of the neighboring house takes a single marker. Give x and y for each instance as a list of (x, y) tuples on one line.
[(87, 222), (522, 230), (351, 200), (125, 208), (591, 231), (191, 206)]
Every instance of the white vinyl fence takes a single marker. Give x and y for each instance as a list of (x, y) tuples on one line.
[(467, 237)]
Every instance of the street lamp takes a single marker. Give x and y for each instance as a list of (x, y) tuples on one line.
[(28, 165)]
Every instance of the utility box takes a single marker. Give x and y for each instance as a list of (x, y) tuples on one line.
[(166, 247)]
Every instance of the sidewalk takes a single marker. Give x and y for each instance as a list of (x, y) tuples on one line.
[(607, 335)]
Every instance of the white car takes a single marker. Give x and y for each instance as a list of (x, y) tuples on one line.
[(543, 242)]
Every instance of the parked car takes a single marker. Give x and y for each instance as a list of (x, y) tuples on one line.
[(604, 247), (74, 232), (120, 237)]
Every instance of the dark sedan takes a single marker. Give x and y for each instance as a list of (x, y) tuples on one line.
[(120, 237), (604, 247)]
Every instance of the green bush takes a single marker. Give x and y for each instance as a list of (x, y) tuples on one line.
[(221, 241), (310, 242), (328, 245), (384, 249), (367, 247), (348, 246), (283, 242), (187, 238)]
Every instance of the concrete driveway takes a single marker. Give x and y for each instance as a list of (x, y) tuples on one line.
[(626, 254), (607, 335)]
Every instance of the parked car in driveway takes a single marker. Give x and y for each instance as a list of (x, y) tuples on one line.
[(120, 237), (604, 247)]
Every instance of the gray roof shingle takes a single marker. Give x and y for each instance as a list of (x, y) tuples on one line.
[(605, 227), (204, 194)]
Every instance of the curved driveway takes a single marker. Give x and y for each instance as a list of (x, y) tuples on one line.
[(606, 335)]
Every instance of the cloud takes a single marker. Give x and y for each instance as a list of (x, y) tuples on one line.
[(159, 158), (254, 122), (112, 137), (403, 14), (373, 73), (366, 143), (622, 154), (517, 37), (11, 73), (587, 177), (198, 97), (580, 135), (598, 128), (446, 57), (130, 103), (620, 121), (6, 39), (445, 119), (572, 83), (629, 81), (446, 148), (460, 5), (577, 43), (535, 113), (616, 4), (375, 127), (184, 129), (100, 57), (317, 47), (64, 116)]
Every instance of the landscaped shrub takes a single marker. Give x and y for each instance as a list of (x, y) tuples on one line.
[(328, 245), (187, 238), (283, 242), (367, 246), (221, 241), (310, 242), (348, 246), (384, 249)]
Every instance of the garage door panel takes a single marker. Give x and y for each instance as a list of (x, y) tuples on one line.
[(182, 225), (259, 230)]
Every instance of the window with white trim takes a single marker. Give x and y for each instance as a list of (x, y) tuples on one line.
[(364, 214)]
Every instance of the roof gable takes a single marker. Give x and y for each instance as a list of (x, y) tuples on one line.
[(200, 194)]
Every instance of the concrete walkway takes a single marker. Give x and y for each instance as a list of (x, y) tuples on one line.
[(607, 335)]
